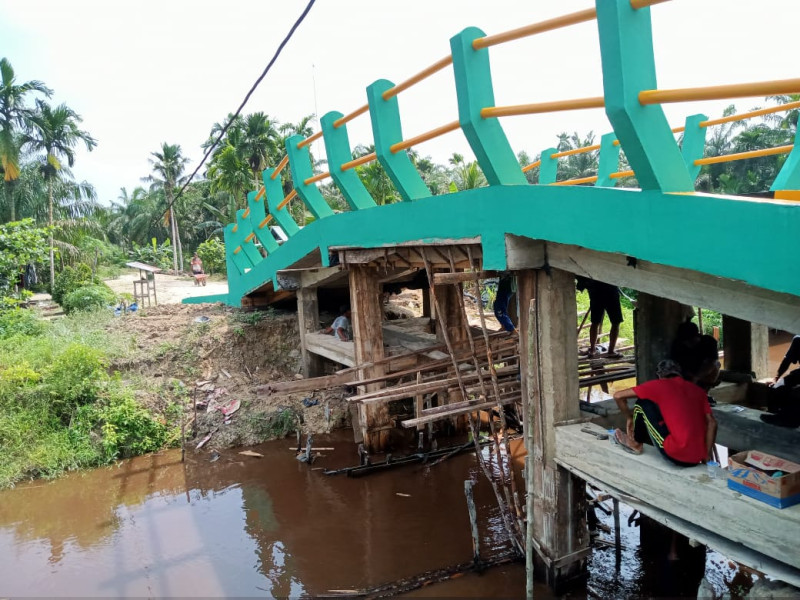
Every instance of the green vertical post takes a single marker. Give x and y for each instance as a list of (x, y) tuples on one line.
[(548, 166), (386, 131), (300, 164), (694, 144), (626, 51), (239, 260), (274, 191), (607, 161), (258, 213), (789, 176), (474, 89), (243, 231), (337, 148)]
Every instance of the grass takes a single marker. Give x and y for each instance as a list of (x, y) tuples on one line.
[(60, 408)]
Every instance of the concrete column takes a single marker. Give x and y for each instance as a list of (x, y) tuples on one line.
[(559, 505), (308, 321), (746, 346), (655, 322)]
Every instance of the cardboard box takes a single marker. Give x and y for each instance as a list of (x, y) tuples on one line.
[(750, 473)]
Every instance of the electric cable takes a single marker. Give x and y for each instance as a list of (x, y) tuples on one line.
[(283, 43)]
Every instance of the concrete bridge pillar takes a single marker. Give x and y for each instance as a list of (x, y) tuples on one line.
[(746, 346)]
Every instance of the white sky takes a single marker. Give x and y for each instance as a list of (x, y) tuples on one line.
[(147, 72)]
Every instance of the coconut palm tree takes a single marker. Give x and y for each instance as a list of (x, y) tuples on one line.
[(15, 118), (55, 134), (466, 176), (168, 167), (258, 143)]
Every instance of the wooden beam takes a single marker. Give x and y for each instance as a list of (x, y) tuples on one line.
[(308, 322), (454, 410), (445, 278), (331, 348)]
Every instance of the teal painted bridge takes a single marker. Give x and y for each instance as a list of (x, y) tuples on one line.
[(665, 221)]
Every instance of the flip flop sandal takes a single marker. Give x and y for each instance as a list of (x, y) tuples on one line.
[(620, 438)]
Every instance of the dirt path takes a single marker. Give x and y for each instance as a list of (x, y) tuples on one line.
[(170, 289)]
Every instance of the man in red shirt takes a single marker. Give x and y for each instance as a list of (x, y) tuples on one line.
[(673, 412)]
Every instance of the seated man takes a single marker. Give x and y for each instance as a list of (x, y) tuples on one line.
[(784, 398), (672, 412), (341, 325), (197, 265), (791, 357)]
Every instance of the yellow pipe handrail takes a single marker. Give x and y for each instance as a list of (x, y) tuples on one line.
[(281, 166), (744, 155), (246, 213), (542, 107), (637, 4), (582, 150), (250, 237), (238, 249), (235, 228), (721, 92), (621, 174), (291, 196), (752, 113), (309, 140), (260, 194), (317, 178), (531, 166), (361, 160), (581, 16), (433, 133), (349, 117), (590, 179), (415, 79), (264, 222)]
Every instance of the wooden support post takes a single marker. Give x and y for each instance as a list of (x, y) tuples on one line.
[(746, 346), (655, 322), (559, 525), (427, 304), (367, 312), (450, 298), (308, 322)]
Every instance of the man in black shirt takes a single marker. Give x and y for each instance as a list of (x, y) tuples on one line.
[(792, 356)]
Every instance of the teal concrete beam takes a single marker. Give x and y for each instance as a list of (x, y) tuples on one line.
[(337, 148), (626, 51), (789, 176), (300, 164), (548, 167), (386, 131), (474, 90), (607, 161), (258, 214), (694, 144), (274, 193)]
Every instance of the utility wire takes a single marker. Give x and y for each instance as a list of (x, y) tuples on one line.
[(241, 106)]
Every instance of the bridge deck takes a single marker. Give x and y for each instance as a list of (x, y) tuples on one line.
[(688, 501)]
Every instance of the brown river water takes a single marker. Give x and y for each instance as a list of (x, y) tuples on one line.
[(154, 526)]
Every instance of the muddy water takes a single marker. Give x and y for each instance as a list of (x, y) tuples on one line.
[(243, 526)]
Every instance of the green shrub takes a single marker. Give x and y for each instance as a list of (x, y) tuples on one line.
[(19, 321), (128, 429), (88, 297), (69, 280), (212, 253), (75, 378)]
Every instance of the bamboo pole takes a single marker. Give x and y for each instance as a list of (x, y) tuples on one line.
[(473, 523)]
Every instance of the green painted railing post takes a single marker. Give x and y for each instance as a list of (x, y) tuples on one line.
[(789, 176), (258, 213), (626, 50), (607, 161), (337, 148), (273, 189), (239, 260), (474, 90), (300, 164), (694, 144), (387, 130), (548, 167), (243, 231)]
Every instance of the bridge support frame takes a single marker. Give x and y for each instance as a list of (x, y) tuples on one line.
[(548, 338), (308, 322), (746, 346)]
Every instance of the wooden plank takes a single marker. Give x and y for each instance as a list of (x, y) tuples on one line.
[(454, 410), (331, 348), (648, 478)]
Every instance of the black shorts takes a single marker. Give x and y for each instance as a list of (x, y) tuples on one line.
[(649, 428), (604, 298)]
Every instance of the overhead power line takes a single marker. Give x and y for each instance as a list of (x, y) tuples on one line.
[(242, 105)]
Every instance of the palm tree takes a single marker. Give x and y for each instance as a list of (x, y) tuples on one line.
[(168, 168), (466, 176), (258, 143), (55, 133), (14, 119)]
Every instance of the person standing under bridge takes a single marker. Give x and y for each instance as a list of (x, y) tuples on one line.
[(505, 289), (603, 299)]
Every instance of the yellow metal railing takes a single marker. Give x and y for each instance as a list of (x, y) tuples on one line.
[(361, 160), (721, 92), (748, 115), (433, 133)]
